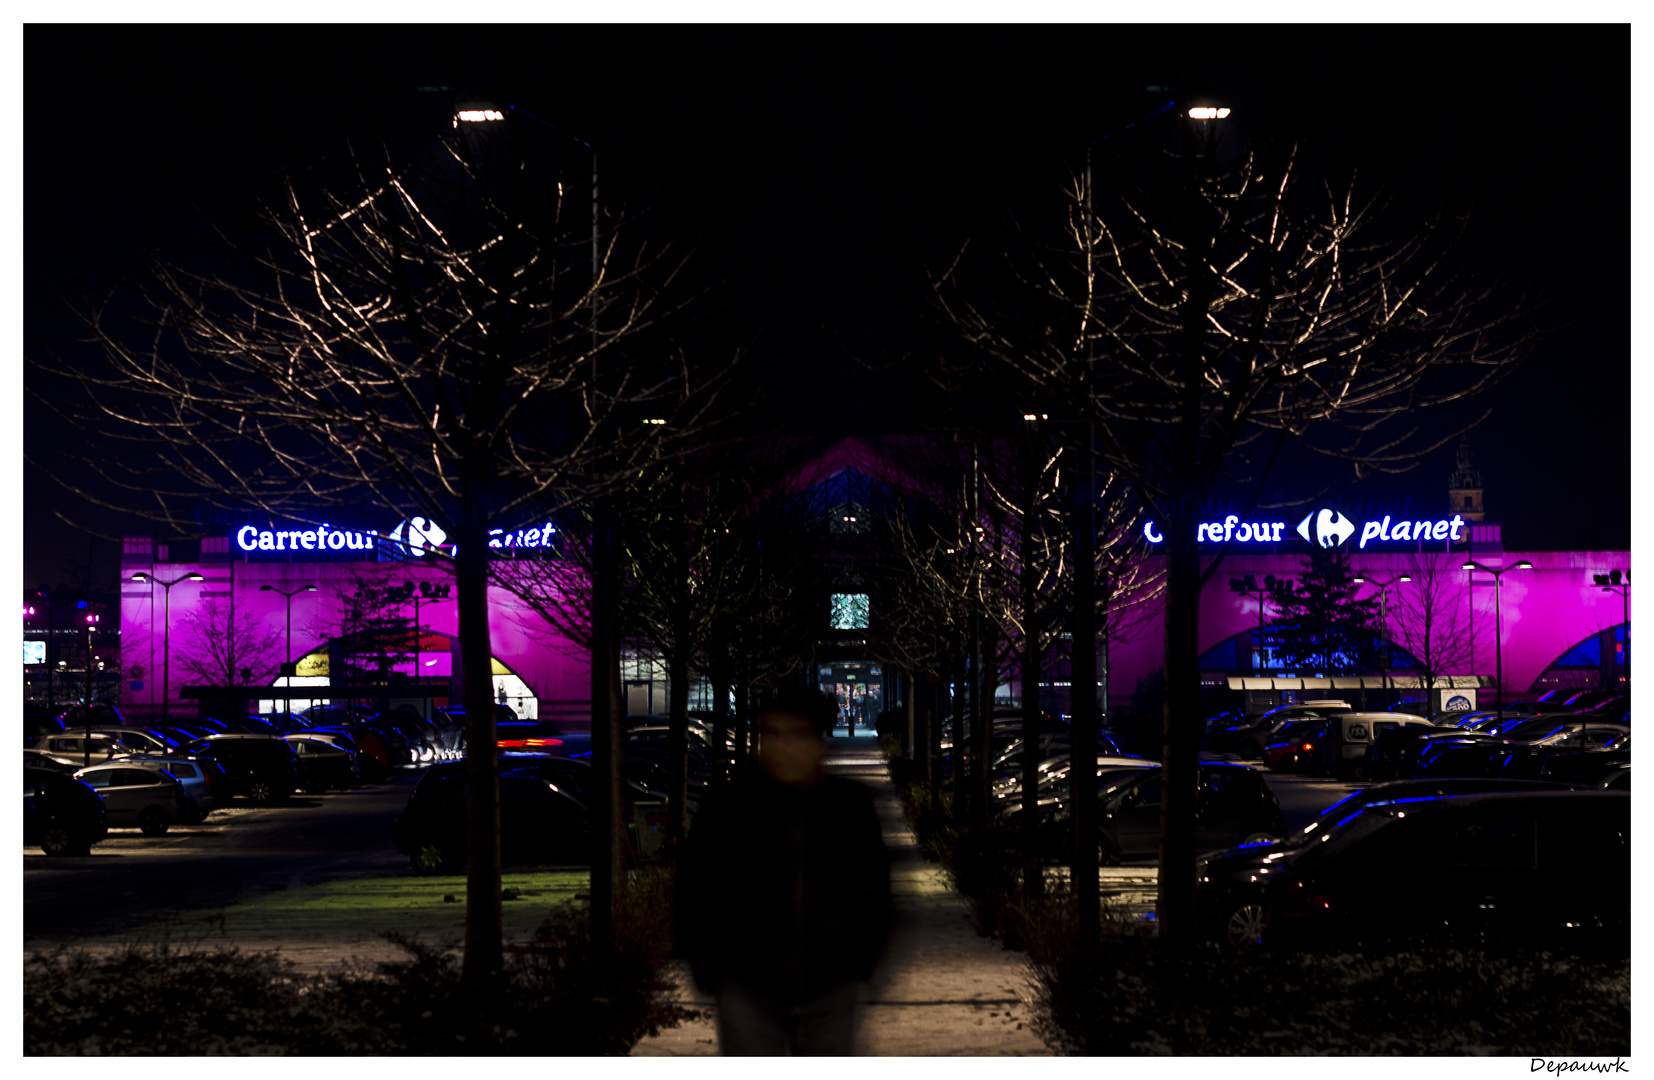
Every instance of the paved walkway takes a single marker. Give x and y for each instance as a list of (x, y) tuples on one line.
[(941, 989)]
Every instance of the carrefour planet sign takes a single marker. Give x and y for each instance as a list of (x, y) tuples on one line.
[(1323, 528), (412, 538)]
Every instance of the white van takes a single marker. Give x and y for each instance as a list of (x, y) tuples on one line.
[(1349, 735)]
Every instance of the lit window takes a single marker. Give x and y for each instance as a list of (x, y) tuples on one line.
[(849, 611)]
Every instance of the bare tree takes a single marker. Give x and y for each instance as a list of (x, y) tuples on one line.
[(1429, 617), (416, 331), (1216, 304), (218, 648)]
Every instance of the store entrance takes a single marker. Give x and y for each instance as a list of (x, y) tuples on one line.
[(859, 688)]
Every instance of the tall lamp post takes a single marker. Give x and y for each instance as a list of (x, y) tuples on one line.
[(166, 632), (1383, 588), (1498, 627), (416, 592), (288, 596), (1616, 581), (86, 742), (1272, 588)]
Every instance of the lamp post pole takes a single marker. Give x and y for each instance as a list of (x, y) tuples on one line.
[(289, 598), (1616, 581), (86, 742), (166, 633), (1498, 624), (1383, 588), (1248, 586)]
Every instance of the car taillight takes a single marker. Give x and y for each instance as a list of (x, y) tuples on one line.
[(1308, 746)]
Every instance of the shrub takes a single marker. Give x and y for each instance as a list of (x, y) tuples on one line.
[(555, 996)]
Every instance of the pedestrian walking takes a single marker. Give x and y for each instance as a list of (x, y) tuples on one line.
[(784, 892)]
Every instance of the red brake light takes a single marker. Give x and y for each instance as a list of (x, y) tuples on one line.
[(1307, 746)]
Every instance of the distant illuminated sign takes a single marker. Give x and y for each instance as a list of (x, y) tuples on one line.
[(1324, 528), (251, 538), (849, 611), (412, 538), (34, 652)]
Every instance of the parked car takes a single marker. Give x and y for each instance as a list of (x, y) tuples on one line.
[(203, 781), (40, 759), (1009, 760), (1247, 739), (1234, 806), (259, 768), (143, 739), (138, 795), (1391, 754), (38, 721), (76, 748), (538, 824), (322, 764), (371, 744), (60, 813), (1230, 894), (1293, 747), (1054, 773), (1572, 736), (1564, 765), (1343, 750), (1608, 775), (1491, 871)]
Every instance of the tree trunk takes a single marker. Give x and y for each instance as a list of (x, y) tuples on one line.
[(610, 845), (484, 951), (983, 721), (956, 763), (1180, 772), (1082, 732), (721, 679), (1033, 878), (909, 708), (677, 743)]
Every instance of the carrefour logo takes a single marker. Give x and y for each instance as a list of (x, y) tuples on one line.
[(418, 535), (1331, 528)]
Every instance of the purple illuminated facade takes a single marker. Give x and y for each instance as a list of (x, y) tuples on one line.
[(1559, 627)]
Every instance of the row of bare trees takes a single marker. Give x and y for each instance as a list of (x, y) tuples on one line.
[(439, 326), (1207, 303)]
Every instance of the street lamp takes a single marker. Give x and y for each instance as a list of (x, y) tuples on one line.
[(1498, 630), (166, 632), (1617, 582), (289, 597), (1272, 587), (1383, 588), (86, 742), (415, 592)]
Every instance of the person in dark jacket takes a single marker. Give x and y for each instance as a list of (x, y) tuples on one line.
[(784, 892)]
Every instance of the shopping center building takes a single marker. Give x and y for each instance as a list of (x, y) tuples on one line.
[(1548, 626)]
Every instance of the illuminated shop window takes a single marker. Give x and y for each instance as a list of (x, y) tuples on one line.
[(849, 611)]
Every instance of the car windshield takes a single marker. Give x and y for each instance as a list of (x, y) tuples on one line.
[(1329, 834), (1533, 728)]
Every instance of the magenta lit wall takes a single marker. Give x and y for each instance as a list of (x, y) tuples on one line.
[(553, 668), (1546, 610)]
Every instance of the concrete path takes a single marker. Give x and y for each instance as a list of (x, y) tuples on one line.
[(941, 990)]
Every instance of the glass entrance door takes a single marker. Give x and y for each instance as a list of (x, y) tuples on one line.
[(859, 689)]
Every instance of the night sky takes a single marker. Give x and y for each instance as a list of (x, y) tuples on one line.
[(814, 175)]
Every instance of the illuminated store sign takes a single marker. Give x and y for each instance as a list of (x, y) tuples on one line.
[(411, 538), (321, 538), (1324, 528)]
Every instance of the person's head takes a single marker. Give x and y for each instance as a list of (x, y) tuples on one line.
[(792, 733)]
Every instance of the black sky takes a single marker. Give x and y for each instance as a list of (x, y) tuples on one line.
[(816, 172)]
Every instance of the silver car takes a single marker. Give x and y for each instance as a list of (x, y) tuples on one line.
[(198, 778), (138, 794), (73, 747)]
